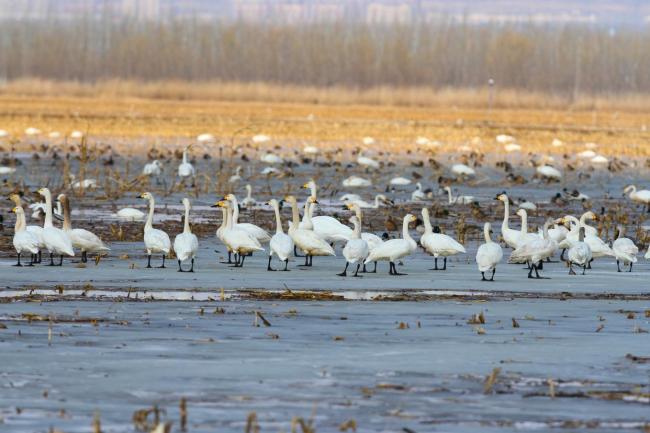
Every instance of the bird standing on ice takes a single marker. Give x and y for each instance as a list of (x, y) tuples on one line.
[(155, 241), (186, 244)]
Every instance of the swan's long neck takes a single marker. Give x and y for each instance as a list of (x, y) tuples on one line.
[(357, 212), (248, 191), (20, 221), (506, 215), (427, 221), (235, 210), (356, 233), (278, 220), (405, 229), (48, 209), (486, 233), (449, 195), (224, 218), (524, 222), (295, 216), (313, 189), (184, 156), (186, 224), (376, 206), (67, 224), (228, 217), (149, 224), (545, 230)]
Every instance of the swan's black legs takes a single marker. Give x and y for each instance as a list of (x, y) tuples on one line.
[(589, 264), (268, 267), (40, 256), (444, 266), (84, 257), (393, 270), (163, 263), (148, 261), (286, 265), (375, 270), (51, 259), (241, 263), (356, 273), (295, 251), (630, 267), (180, 268), (540, 265), (435, 263), (18, 263), (562, 255), (33, 259), (618, 266), (61, 260), (483, 276), (345, 271), (584, 269), (493, 272), (571, 271), (530, 272), (192, 267)]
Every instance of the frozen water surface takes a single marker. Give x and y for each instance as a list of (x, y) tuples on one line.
[(387, 365)]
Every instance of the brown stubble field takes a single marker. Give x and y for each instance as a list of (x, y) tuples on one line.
[(130, 119)]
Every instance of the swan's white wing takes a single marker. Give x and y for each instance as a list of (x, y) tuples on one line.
[(87, 241), (282, 245), (255, 231), (157, 241), (186, 245), (488, 256), (355, 250), (57, 241), (26, 241)]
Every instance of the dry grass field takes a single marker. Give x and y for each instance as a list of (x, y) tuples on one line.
[(125, 112)]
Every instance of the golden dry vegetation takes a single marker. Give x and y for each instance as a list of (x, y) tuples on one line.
[(129, 112)]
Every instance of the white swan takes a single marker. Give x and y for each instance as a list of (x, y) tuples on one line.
[(237, 176), (579, 253), (153, 168), (548, 172), (205, 138), (400, 181), (82, 184), (281, 243), (155, 241), (271, 158), (248, 200), (356, 249), (255, 231), (463, 170), (418, 194), (305, 239), (489, 254), (236, 239), (640, 196), (438, 244), (23, 240), (460, 199), (524, 235), (356, 182), (394, 249), (83, 240), (186, 169), (510, 236), (535, 250), (130, 214), (35, 230), (367, 162), (4, 170), (528, 205), (379, 198), (186, 244), (624, 250), (371, 239), (350, 197), (56, 240)]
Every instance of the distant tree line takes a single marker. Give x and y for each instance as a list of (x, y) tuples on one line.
[(560, 59)]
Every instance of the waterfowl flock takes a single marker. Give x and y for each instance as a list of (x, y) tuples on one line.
[(416, 215)]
